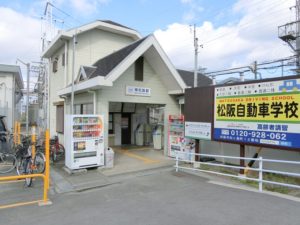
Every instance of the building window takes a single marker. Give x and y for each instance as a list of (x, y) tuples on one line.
[(139, 69), (111, 123), (54, 65), (63, 59), (87, 108), (60, 119)]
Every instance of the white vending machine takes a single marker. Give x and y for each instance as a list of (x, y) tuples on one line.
[(84, 141)]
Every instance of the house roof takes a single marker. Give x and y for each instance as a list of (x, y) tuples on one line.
[(15, 70), (231, 80), (116, 24), (105, 65), (106, 25), (188, 78), (111, 67)]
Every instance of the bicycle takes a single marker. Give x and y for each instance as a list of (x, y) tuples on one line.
[(8, 160), (26, 163), (57, 150)]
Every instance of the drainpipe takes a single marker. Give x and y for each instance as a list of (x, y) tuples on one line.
[(13, 101), (48, 95), (94, 100), (65, 62)]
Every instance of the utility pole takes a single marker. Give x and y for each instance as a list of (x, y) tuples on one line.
[(196, 57), (27, 102)]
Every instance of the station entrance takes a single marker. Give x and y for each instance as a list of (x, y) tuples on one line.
[(136, 124)]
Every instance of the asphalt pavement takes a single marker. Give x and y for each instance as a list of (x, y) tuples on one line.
[(160, 197)]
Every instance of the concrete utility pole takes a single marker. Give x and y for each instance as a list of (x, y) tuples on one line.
[(27, 102), (196, 57)]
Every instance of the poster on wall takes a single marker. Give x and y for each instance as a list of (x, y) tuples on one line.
[(198, 130), (265, 113)]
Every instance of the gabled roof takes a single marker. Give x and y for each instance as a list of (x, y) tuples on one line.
[(105, 65), (116, 24), (106, 25), (111, 67), (188, 78)]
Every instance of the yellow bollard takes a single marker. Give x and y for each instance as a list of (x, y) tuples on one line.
[(15, 132), (19, 133), (33, 141), (47, 156)]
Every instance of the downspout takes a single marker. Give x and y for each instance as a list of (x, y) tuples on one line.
[(94, 100), (13, 101), (65, 62), (48, 94)]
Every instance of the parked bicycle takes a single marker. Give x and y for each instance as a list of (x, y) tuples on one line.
[(57, 150), (8, 160), (28, 164)]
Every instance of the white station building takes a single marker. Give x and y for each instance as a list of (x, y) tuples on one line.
[(119, 74)]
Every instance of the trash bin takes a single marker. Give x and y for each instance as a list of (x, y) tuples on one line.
[(109, 158)]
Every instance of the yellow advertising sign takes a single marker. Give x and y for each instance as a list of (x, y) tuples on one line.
[(269, 107)]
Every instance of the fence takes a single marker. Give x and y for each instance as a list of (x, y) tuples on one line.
[(188, 158)]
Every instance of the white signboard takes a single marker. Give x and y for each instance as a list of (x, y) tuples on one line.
[(259, 113), (138, 91), (198, 130)]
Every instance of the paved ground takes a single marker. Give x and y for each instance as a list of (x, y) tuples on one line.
[(143, 188), (160, 197)]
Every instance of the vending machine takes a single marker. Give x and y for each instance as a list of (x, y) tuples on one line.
[(84, 141), (175, 134)]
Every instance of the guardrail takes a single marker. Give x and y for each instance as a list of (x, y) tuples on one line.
[(180, 155), (45, 177)]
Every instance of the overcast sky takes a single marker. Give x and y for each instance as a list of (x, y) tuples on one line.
[(232, 32)]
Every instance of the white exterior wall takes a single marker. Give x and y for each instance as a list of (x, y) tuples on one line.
[(90, 47), (7, 98), (57, 82)]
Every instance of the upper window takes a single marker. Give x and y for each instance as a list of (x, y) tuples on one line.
[(139, 69), (54, 66), (63, 59), (87, 108)]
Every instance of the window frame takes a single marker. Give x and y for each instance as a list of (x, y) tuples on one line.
[(139, 69)]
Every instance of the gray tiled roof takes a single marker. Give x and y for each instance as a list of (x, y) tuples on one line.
[(188, 78), (108, 63)]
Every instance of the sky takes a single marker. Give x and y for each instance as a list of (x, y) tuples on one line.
[(233, 32)]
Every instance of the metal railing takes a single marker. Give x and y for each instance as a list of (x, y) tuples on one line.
[(188, 158)]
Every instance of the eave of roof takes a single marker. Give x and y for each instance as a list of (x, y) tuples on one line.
[(110, 26), (14, 69)]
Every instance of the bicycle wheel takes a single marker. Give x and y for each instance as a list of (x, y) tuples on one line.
[(7, 162), (39, 162), (27, 170)]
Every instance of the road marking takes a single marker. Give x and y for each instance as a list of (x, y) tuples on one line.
[(19, 204), (142, 158), (12, 181)]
